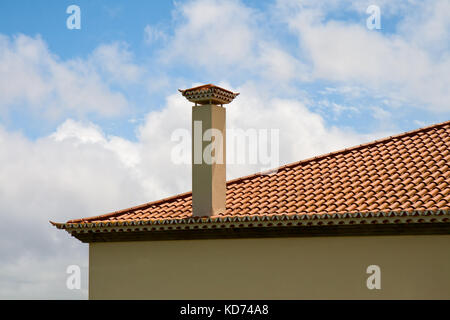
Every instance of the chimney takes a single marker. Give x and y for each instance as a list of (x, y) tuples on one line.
[(208, 148)]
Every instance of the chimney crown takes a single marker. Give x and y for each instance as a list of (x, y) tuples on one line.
[(208, 94)]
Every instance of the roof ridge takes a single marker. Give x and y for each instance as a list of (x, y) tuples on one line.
[(232, 181)]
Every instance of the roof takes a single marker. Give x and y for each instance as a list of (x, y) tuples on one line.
[(399, 176)]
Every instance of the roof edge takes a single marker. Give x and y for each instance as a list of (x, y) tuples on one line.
[(256, 218), (426, 222)]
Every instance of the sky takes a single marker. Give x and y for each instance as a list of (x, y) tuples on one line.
[(87, 115)]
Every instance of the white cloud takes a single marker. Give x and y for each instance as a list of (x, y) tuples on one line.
[(31, 76), (228, 37), (304, 135), (53, 180), (390, 65), (410, 67), (215, 33), (338, 108), (71, 129), (428, 27), (279, 66), (84, 133), (380, 114), (116, 61)]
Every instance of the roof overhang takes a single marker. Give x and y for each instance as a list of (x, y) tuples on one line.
[(296, 225)]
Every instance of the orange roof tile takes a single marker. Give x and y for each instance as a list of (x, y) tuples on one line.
[(406, 172)]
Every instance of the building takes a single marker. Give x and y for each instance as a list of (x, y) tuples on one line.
[(368, 222)]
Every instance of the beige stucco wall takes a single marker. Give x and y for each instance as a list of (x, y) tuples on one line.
[(412, 267)]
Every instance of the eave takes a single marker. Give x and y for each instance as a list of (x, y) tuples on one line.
[(282, 225)]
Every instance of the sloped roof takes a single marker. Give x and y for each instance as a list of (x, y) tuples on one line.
[(403, 173)]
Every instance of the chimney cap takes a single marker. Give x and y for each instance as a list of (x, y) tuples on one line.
[(208, 94)]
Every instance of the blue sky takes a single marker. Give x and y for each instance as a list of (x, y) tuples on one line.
[(107, 22), (102, 21), (87, 116)]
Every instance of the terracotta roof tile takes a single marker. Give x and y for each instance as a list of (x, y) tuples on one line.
[(406, 172)]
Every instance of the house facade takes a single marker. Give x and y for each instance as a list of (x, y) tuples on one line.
[(368, 222)]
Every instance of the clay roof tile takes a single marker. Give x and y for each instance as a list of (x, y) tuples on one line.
[(404, 172)]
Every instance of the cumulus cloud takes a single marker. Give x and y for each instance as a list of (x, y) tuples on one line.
[(39, 181), (213, 33), (74, 172), (228, 37), (410, 67), (34, 78), (116, 61), (400, 66), (428, 27)]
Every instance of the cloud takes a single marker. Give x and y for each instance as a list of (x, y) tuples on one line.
[(228, 38), (279, 66), (116, 61), (380, 113), (35, 79), (236, 41), (71, 129), (74, 172), (428, 27), (389, 64), (325, 106), (306, 134), (213, 33)]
